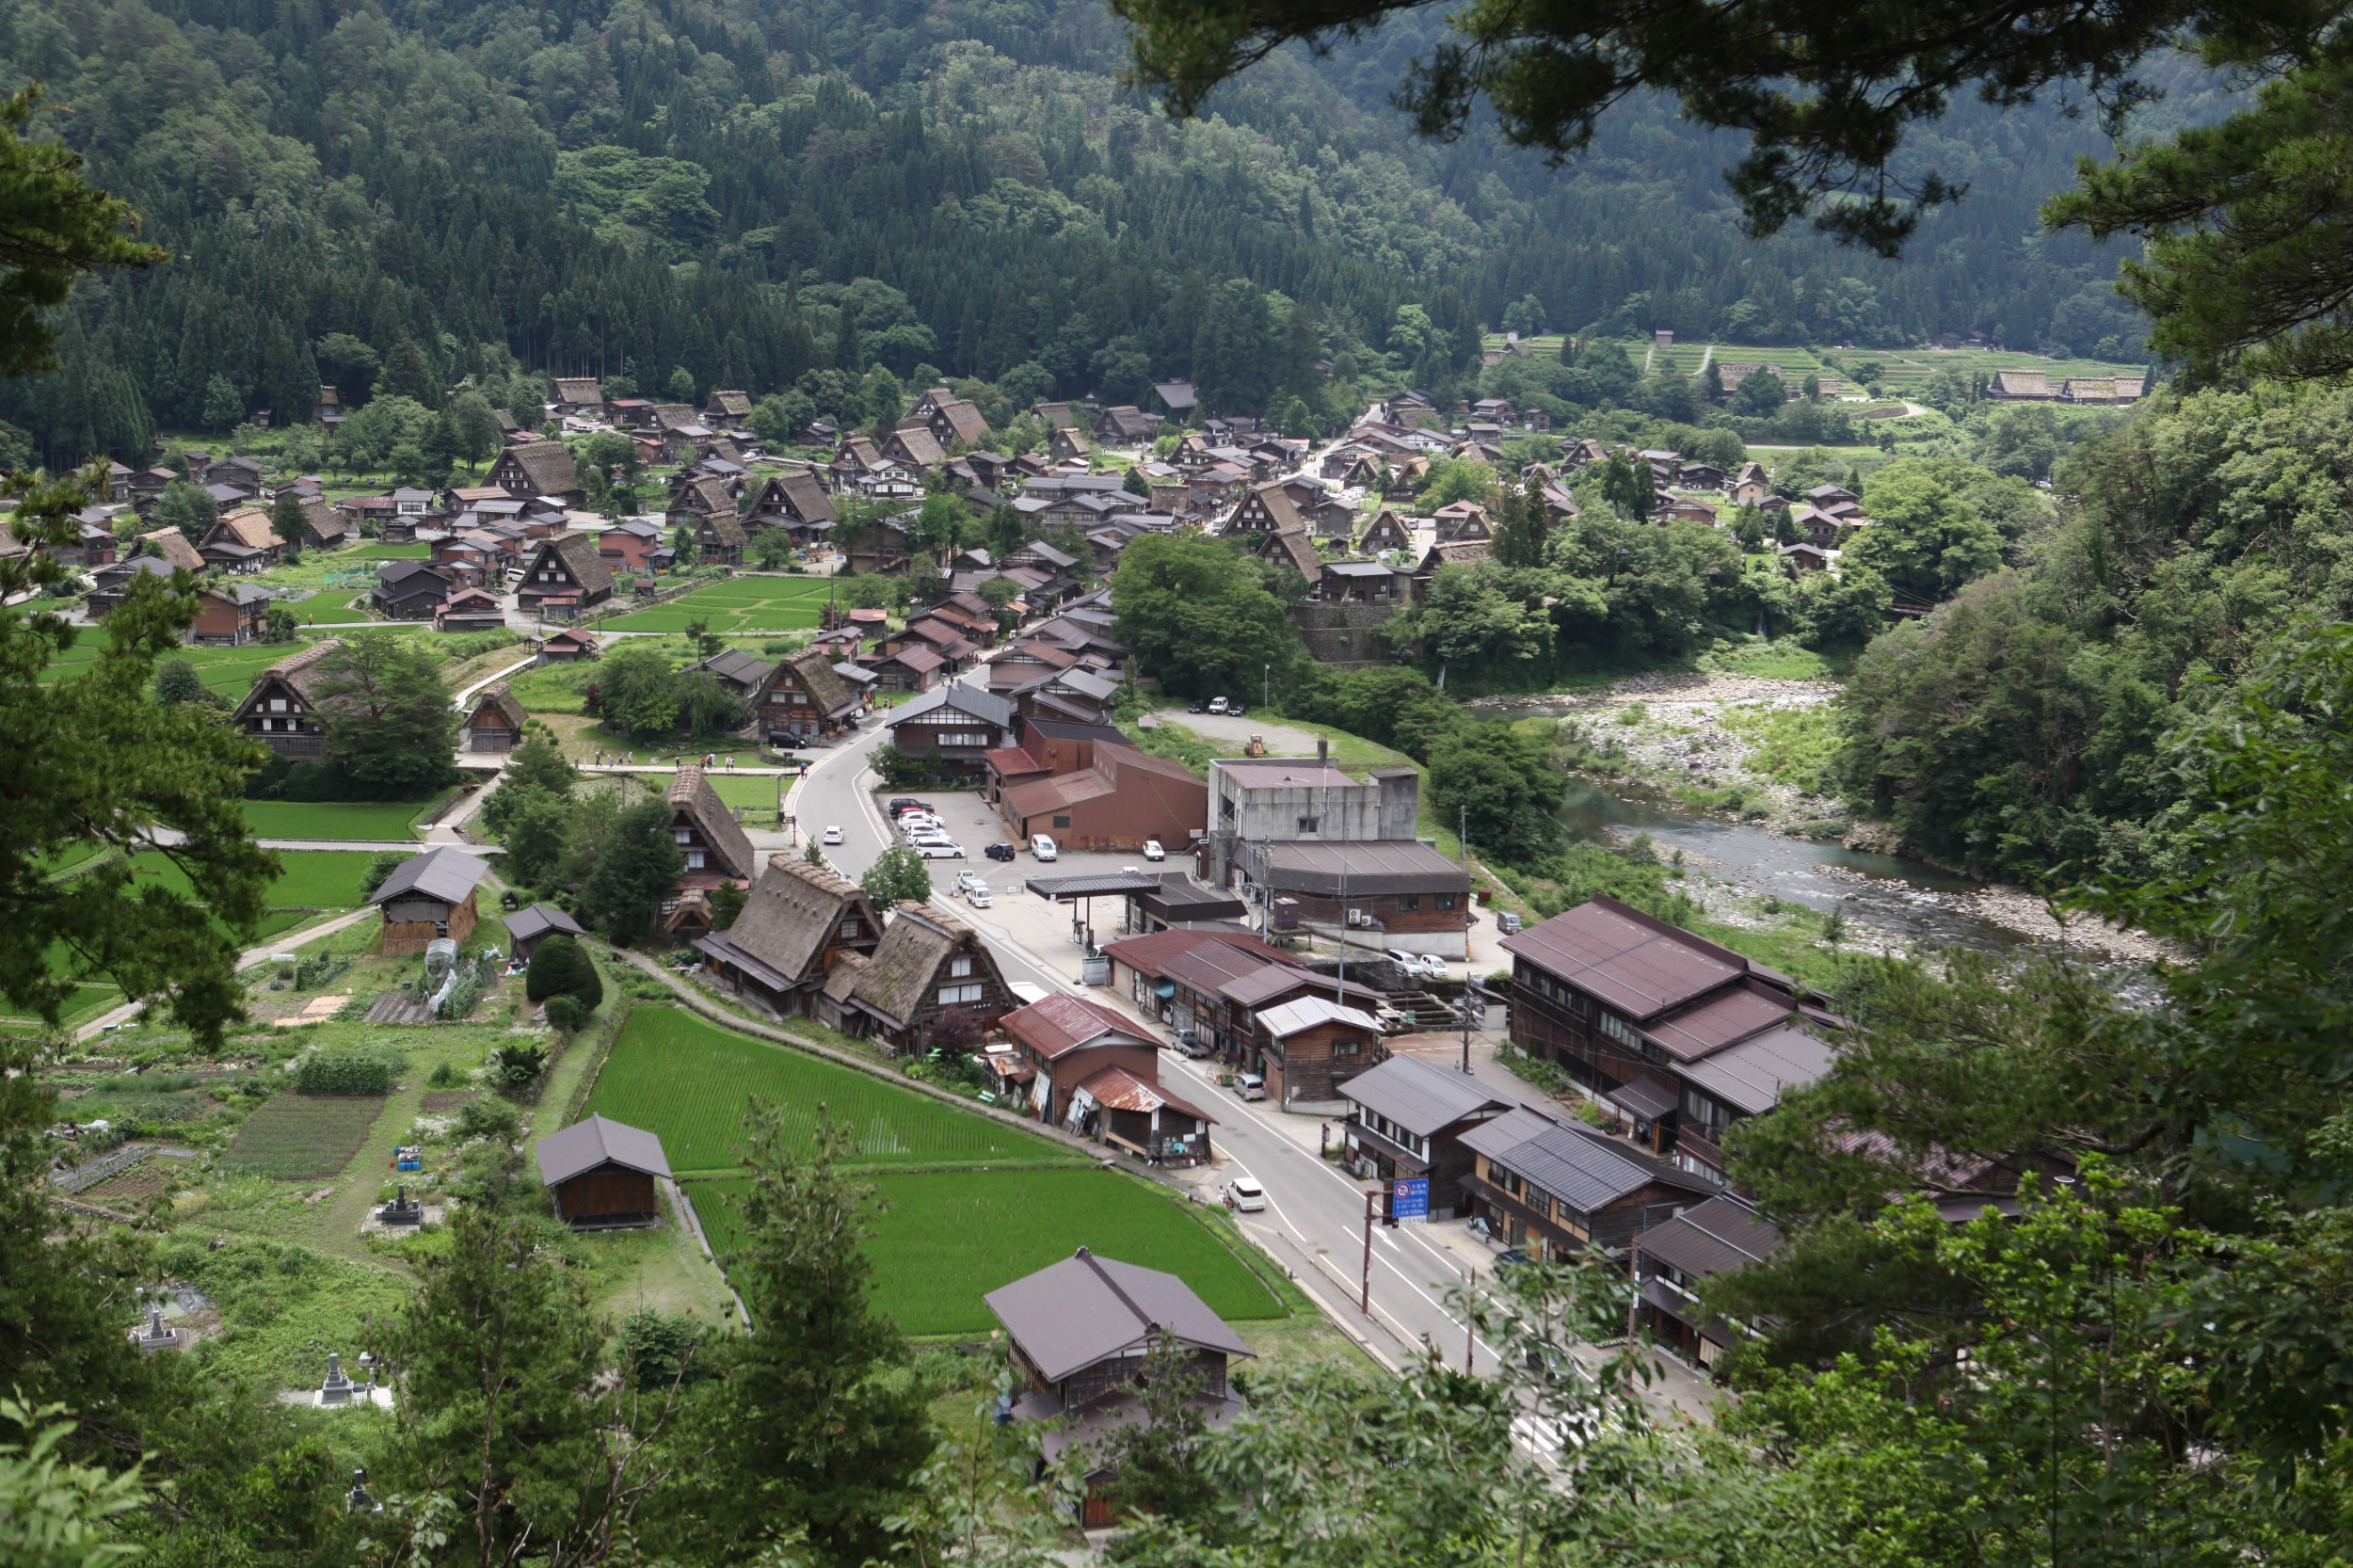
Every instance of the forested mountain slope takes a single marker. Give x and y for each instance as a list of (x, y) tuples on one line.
[(672, 183), (2018, 729)]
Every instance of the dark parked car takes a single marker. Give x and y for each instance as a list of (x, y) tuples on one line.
[(1000, 850), (1198, 707)]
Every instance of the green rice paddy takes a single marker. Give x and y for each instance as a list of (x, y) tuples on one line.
[(942, 1239), (691, 1083), (744, 606), (394, 821)]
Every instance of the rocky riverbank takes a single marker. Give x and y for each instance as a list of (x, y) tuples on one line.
[(1743, 746)]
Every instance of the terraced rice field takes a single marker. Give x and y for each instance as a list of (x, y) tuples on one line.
[(691, 1083), (391, 820), (943, 1240), (745, 606), (302, 1136), (313, 879)]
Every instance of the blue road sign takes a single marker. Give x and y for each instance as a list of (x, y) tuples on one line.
[(1409, 1199)]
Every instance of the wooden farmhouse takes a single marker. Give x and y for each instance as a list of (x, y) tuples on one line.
[(715, 846), (798, 923), (928, 963), (602, 1175), (278, 710), (805, 698), (1080, 1330), (429, 896), (496, 721), (539, 469), (563, 578)]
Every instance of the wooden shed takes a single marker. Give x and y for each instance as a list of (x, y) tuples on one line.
[(496, 722), (527, 928), (427, 896), (600, 1174)]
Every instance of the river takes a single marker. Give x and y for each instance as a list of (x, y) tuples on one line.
[(1906, 903)]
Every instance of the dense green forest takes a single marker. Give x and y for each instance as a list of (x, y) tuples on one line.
[(2017, 729), (651, 188)]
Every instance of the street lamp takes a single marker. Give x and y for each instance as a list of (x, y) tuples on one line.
[(1265, 686)]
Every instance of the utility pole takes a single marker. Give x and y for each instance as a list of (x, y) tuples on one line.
[(1470, 1326), (1364, 1302), (1463, 838)]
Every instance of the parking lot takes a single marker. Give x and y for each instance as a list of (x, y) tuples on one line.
[(1038, 926)]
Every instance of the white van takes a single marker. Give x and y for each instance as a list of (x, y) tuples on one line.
[(1042, 847)]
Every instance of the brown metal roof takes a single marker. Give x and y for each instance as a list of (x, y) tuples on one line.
[(1636, 963), (1121, 1090), (1063, 1023), (1748, 1007), (1070, 1315), (584, 1146)]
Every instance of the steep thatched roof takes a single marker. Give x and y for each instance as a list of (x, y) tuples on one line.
[(791, 910)]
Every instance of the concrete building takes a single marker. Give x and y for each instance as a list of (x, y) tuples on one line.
[(1266, 800)]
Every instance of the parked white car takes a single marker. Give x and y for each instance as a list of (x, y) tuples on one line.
[(1250, 1086), (1420, 966), (1152, 850), (1244, 1196), (832, 835), (978, 898), (966, 881), (1042, 847), (1217, 705), (942, 851)]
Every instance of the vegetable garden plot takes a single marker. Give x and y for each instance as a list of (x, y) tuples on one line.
[(942, 1239), (691, 1083), (298, 1137)]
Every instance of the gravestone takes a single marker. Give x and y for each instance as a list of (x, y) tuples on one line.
[(337, 1389), (152, 1335), (402, 1210)]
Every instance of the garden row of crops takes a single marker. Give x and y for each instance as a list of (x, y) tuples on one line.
[(692, 1082), (297, 1137)]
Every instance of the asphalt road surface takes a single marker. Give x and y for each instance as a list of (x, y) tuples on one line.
[(1314, 1221)]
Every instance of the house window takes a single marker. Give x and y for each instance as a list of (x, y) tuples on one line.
[(849, 927), (684, 835), (960, 967), (1307, 824), (1347, 1048), (693, 860), (1409, 901), (950, 996), (1508, 1180), (1622, 1031), (1062, 822), (1445, 901)]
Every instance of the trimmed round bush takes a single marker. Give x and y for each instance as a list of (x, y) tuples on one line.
[(560, 967), (565, 1014)]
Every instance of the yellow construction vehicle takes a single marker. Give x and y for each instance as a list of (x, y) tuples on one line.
[(1257, 746)]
